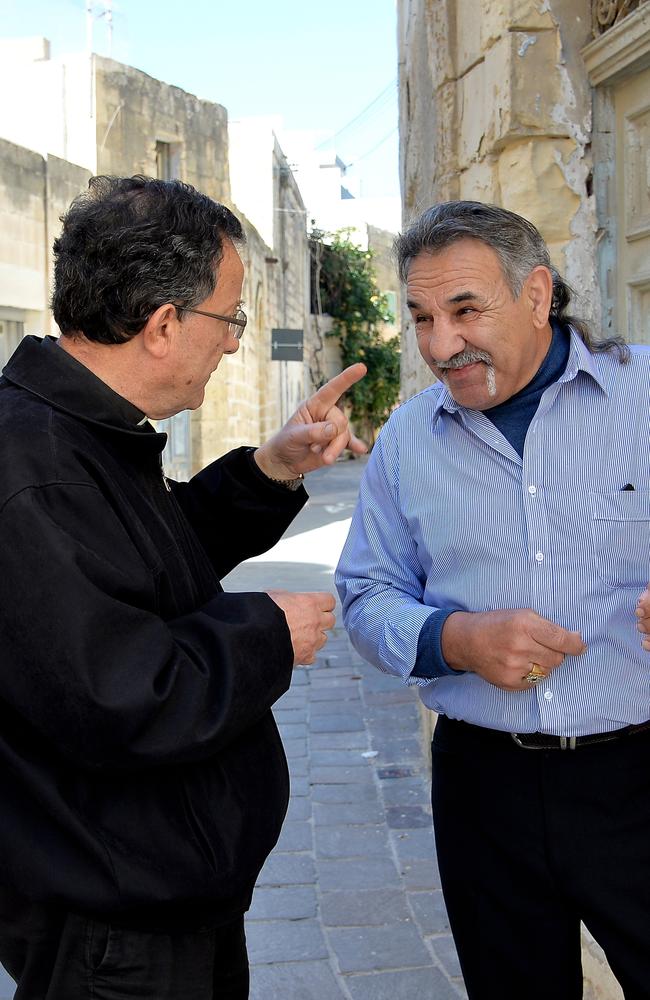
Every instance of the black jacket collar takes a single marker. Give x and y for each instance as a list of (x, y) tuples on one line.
[(41, 367)]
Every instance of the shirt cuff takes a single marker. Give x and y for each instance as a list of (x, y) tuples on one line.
[(429, 661)]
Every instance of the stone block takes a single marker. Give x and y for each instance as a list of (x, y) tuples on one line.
[(445, 950), (352, 741), (415, 843), (419, 874), (498, 17), (468, 35), (352, 842), (403, 985), (480, 181), (360, 873), (295, 836), (338, 757), (405, 792), (368, 948), (430, 911), (408, 817), (271, 941), (531, 172), (287, 903), (287, 869), (336, 723), (515, 92), (599, 980), (362, 909), (295, 981), (351, 813), (351, 791)]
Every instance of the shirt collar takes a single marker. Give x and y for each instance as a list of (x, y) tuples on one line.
[(580, 359)]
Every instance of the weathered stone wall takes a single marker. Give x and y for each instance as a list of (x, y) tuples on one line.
[(495, 106), (34, 191), (134, 112)]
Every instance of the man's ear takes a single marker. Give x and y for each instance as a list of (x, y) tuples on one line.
[(538, 290), (160, 329)]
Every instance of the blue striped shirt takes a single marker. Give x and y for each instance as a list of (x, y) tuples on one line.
[(450, 516)]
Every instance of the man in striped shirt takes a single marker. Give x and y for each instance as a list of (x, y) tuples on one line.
[(495, 559)]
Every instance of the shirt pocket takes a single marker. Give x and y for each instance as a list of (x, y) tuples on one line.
[(621, 537)]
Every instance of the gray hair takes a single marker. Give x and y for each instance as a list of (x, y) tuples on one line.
[(516, 242)]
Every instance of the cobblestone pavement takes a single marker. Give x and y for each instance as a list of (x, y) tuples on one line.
[(349, 903)]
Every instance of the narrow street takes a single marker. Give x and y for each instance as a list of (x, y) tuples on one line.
[(349, 903)]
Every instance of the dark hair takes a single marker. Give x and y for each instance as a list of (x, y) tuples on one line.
[(130, 244), (516, 242)]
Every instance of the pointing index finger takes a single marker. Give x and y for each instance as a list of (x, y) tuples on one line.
[(330, 393)]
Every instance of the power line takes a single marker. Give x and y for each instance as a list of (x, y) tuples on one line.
[(373, 148), (379, 96)]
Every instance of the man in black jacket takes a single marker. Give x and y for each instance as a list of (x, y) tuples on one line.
[(143, 778)]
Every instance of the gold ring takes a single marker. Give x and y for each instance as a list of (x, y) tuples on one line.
[(535, 674)]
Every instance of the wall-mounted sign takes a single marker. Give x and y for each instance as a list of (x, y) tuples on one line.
[(286, 345)]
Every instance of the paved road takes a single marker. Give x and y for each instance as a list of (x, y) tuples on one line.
[(348, 906)]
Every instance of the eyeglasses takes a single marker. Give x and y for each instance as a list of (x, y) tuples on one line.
[(236, 323)]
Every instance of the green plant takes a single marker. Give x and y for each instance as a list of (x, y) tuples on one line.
[(346, 288)]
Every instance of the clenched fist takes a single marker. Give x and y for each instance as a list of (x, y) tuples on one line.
[(309, 616)]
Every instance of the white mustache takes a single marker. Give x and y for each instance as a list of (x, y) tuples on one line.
[(465, 358)]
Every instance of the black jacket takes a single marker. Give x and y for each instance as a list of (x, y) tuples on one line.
[(142, 772)]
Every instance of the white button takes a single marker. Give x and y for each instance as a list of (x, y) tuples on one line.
[(548, 695), (539, 556), (532, 490)]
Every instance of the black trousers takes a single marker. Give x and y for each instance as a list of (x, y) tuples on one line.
[(59, 956), (531, 842)]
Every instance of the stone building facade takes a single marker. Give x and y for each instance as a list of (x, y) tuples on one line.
[(541, 106), (108, 118)]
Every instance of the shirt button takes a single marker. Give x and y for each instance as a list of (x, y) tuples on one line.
[(532, 490), (539, 556), (548, 695)]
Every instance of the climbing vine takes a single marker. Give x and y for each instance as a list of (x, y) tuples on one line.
[(345, 287)]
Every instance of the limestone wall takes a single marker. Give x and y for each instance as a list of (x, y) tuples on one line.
[(34, 191), (135, 112), (495, 105)]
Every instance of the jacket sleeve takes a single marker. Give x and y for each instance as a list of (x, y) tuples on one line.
[(94, 669), (232, 491)]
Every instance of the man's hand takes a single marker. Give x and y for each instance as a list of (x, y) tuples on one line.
[(308, 617), (315, 435), (502, 646), (643, 616)]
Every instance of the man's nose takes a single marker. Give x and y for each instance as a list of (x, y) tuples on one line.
[(231, 345), (446, 341)]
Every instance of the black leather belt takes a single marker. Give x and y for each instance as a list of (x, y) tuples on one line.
[(541, 741)]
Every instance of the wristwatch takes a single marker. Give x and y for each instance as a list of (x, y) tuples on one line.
[(289, 484)]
